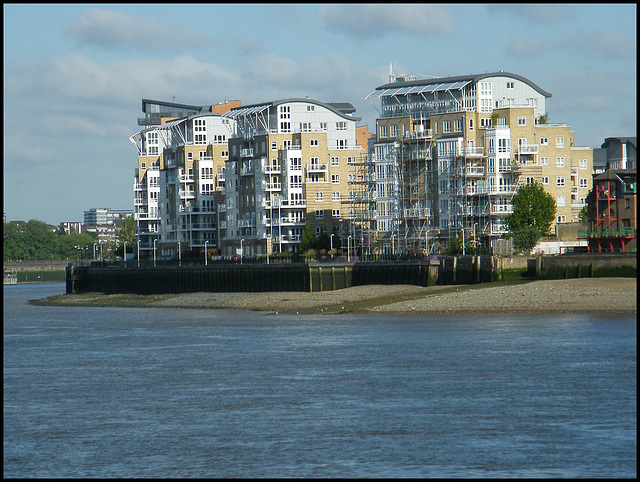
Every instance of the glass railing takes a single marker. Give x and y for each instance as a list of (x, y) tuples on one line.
[(606, 233)]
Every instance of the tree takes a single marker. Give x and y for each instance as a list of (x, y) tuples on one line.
[(126, 233), (533, 213), (308, 240)]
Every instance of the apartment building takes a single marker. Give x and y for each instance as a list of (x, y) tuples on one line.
[(451, 152), (290, 162), (178, 185), (612, 204), (192, 180)]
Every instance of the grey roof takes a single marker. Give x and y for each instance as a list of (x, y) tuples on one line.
[(463, 79), (622, 140), (343, 109)]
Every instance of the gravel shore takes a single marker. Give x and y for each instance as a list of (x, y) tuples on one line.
[(582, 295)]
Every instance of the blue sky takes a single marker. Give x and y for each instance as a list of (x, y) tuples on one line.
[(74, 75)]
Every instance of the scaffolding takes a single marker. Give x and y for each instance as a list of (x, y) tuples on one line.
[(361, 225)]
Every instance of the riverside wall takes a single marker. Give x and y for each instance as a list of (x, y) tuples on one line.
[(312, 277)]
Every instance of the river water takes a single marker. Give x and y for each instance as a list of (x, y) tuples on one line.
[(119, 392)]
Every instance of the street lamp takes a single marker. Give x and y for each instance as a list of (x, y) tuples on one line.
[(241, 250), (205, 253), (331, 240), (179, 255), (138, 252), (125, 254), (348, 249), (154, 251)]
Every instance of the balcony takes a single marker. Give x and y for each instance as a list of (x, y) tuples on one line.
[(187, 178), (501, 209), (474, 151), (273, 169), (246, 152), (606, 233), (527, 150), (187, 194), (273, 186), (317, 168), (472, 171)]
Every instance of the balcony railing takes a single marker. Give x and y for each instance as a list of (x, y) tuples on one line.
[(607, 233)]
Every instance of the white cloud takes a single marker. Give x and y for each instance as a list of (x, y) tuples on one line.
[(377, 20), (526, 46), (533, 13), (603, 44), (115, 30)]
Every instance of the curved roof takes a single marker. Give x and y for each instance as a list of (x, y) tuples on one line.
[(343, 109), (463, 80)]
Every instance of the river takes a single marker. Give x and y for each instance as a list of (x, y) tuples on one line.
[(147, 392)]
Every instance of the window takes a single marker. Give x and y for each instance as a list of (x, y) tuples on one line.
[(561, 201), (335, 196), (457, 125), (335, 213), (544, 161), (562, 219), (559, 142), (383, 131), (335, 178), (446, 126), (584, 183), (530, 180), (522, 121), (559, 161), (341, 126), (274, 145), (394, 130), (560, 181), (545, 180), (311, 108), (470, 124), (351, 160), (583, 164), (335, 161), (314, 143), (319, 213), (509, 85), (319, 196), (544, 141), (143, 166), (224, 153)]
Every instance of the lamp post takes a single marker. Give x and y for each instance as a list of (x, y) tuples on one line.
[(125, 254), (475, 240), (94, 251), (241, 249), (154, 251), (205, 253), (179, 255), (138, 252), (331, 240), (348, 249), (463, 253)]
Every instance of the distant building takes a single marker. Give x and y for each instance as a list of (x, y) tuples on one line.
[(71, 227), (621, 152), (98, 216)]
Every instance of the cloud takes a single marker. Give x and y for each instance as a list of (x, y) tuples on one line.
[(115, 30), (603, 44), (533, 13), (526, 46), (367, 21)]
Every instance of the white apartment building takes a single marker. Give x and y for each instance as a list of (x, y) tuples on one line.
[(289, 163), (451, 153)]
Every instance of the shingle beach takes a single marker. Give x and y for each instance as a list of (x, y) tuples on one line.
[(582, 295)]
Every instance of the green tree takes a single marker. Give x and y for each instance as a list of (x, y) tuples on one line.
[(533, 213), (308, 240), (323, 241), (126, 233), (71, 246)]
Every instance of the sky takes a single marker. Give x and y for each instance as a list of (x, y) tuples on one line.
[(75, 74)]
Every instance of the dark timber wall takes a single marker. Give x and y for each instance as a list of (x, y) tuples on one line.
[(333, 276)]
